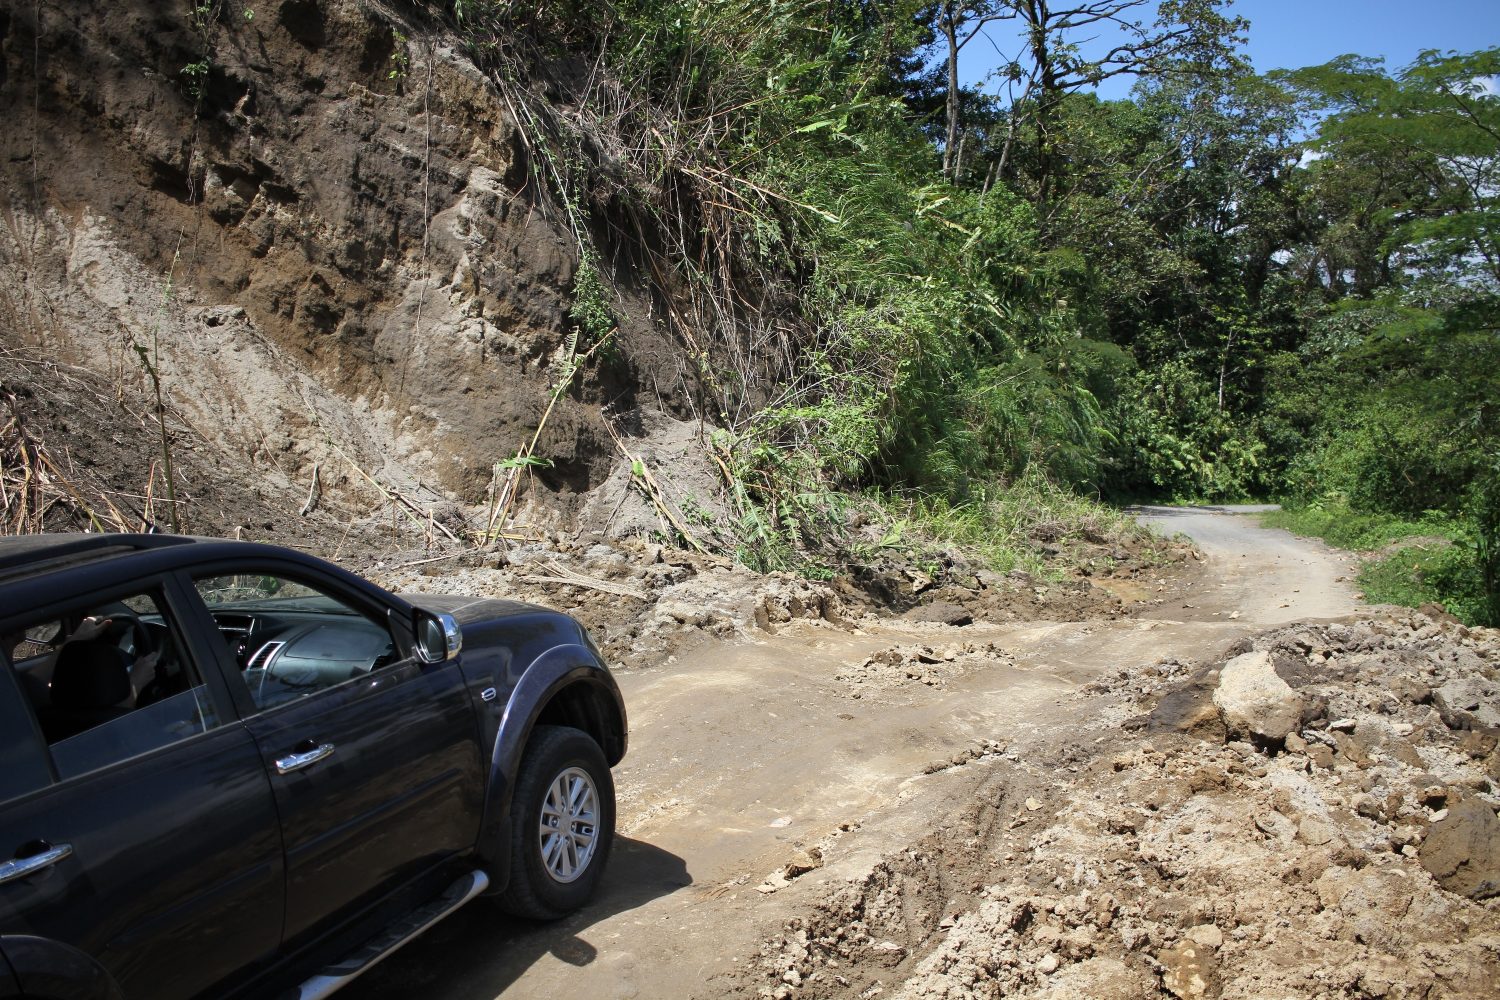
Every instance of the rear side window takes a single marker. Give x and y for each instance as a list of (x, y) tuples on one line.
[(108, 681)]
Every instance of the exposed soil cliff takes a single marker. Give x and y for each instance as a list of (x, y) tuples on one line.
[(321, 223)]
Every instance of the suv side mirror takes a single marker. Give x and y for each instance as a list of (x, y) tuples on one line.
[(438, 637)]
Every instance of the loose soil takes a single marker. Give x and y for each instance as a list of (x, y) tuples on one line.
[(851, 806)]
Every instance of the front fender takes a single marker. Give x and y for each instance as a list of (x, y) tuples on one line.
[(55, 971), (554, 672)]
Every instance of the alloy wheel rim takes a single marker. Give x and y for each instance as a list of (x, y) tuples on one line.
[(569, 825)]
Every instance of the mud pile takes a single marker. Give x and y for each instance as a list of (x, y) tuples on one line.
[(930, 665), (640, 601), (1358, 855)]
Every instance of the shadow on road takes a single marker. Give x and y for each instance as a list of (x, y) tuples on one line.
[(479, 951)]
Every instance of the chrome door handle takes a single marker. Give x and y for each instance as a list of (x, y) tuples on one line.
[(21, 867), (297, 761)]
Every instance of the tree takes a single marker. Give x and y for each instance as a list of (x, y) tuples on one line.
[(1188, 38), (959, 23), (1438, 122)]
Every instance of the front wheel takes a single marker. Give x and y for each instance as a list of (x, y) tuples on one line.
[(562, 824)]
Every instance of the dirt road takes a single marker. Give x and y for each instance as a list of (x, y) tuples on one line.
[(817, 751)]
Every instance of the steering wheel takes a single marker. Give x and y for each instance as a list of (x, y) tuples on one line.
[(127, 631)]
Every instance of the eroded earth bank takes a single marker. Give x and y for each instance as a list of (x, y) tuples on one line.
[(1248, 786)]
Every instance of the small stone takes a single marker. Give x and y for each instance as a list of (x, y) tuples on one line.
[(1275, 826), (1477, 745), (1411, 691), (1440, 815), (1208, 935), (1315, 832), (1403, 751), (803, 862), (1353, 750), (944, 612), (1048, 965), (1342, 725), (1032, 805), (1406, 836)]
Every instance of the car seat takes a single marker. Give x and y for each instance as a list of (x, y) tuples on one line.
[(89, 682)]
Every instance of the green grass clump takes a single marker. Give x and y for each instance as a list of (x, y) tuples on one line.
[(1007, 529), (1337, 524), (1428, 574)]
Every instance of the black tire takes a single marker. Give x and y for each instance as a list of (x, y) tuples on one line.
[(541, 888)]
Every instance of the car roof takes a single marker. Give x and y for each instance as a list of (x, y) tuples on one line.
[(23, 552), (43, 569)]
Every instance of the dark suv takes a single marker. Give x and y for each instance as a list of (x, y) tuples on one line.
[(232, 769)]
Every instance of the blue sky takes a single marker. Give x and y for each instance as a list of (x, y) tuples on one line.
[(1292, 33)]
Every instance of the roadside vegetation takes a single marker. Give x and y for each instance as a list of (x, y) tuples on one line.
[(1021, 527), (1000, 304)]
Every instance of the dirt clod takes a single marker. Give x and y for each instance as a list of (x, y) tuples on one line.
[(1462, 850)]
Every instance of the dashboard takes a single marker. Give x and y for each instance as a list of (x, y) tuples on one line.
[(286, 653)]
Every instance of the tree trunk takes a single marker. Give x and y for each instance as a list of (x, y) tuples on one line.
[(950, 33)]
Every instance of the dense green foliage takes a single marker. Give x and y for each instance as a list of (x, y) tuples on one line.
[(1229, 285)]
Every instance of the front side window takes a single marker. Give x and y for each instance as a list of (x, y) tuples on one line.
[(108, 681), (291, 639)]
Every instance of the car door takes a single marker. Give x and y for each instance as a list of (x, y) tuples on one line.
[(373, 756), (144, 835)]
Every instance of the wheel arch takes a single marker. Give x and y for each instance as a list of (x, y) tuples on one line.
[(589, 706), (566, 686)]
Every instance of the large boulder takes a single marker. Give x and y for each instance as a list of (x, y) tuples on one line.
[(1468, 703), (1462, 850), (1254, 701)]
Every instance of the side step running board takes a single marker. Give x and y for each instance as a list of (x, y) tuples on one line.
[(387, 942)]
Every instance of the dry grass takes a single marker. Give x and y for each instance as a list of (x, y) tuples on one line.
[(41, 487)]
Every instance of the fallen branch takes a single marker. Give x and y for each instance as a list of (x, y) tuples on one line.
[(422, 519), (314, 492)]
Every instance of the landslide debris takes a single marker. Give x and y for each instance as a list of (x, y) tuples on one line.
[(1355, 855), (644, 602)]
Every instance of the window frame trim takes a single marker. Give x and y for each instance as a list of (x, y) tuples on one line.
[(10, 688)]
